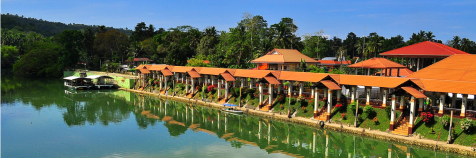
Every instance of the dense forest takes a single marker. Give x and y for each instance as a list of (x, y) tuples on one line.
[(38, 48)]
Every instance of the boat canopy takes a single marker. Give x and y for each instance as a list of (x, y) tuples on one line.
[(75, 78), (98, 76)]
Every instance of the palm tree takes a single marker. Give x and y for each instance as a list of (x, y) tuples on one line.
[(455, 43), (360, 48), (429, 36), (374, 44), (465, 45), (281, 36)]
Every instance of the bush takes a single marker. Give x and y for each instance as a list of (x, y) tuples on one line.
[(426, 117), (250, 91), (352, 107), (388, 111), (466, 124), (445, 121), (367, 111)]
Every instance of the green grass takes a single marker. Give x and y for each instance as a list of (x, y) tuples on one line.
[(383, 119), (461, 138)]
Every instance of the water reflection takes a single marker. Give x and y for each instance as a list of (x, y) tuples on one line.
[(268, 135)]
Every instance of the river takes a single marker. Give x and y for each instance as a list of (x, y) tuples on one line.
[(41, 118)]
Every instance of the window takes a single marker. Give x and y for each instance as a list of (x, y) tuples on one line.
[(285, 68)]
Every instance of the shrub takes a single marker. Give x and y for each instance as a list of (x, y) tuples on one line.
[(388, 111), (352, 107), (466, 124), (375, 120), (367, 111), (343, 116), (445, 121), (210, 88), (293, 100), (426, 117), (250, 91)]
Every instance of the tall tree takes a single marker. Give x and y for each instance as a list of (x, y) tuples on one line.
[(72, 41), (111, 45)]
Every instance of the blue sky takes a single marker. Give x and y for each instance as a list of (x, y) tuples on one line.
[(337, 18)]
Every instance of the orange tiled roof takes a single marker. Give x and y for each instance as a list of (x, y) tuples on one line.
[(212, 70), (423, 49), (333, 62), (374, 81), (331, 85), (403, 72), (183, 69), (302, 76), (415, 93), (461, 87), (376, 63), (144, 71), (166, 72), (251, 73), (227, 77), (193, 74), (271, 80), (453, 68), (284, 56), (157, 67)]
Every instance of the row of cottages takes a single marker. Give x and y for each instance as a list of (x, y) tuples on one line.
[(455, 75)]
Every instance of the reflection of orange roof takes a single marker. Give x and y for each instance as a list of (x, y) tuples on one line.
[(331, 85), (403, 72), (453, 68), (376, 63), (302, 76), (415, 93), (227, 77), (193, 74), (284, 56), (423, 49)]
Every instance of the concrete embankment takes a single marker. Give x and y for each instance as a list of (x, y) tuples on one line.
[(454, 148)]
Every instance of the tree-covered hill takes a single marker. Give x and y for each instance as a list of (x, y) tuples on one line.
[(46, 28)]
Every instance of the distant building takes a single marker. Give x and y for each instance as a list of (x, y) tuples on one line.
[(332, 62), (283, 59), (138, 61)]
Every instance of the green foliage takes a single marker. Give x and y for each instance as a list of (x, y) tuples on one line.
[(445, 121), (42, 60), (388, 111), (368, 110), (9, 56), (197, 63), (303, 67), (466, 124)]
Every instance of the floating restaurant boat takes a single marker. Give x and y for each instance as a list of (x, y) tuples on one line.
[(76, 82), (87, 82)]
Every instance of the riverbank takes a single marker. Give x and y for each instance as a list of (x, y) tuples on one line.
[(413, 140)]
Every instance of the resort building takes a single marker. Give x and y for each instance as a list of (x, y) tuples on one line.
[(408, 94), (333, 62), (283, 59), (421, 55)]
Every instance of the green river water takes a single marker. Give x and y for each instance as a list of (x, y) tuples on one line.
[(41, 118)]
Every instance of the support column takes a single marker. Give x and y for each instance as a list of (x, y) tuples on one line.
[(186, 86), (412, 115), (329, 101), (325, 94), (218, 88), (392, 114), (251, 82), (418, 64), (464, 104), (312, 92), (338, 95), (290, 88), (270, 90), (384, 97), (226, 89), (213, 80), (368, 90), (453, 100), (402, 102), (316, 101), (442, 102), (433, 99), (301, 88), (166, 86), (192, 85), (161, 79), (260, 93), (353, 94), (420, 102), (242, 82), (280, 87)]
